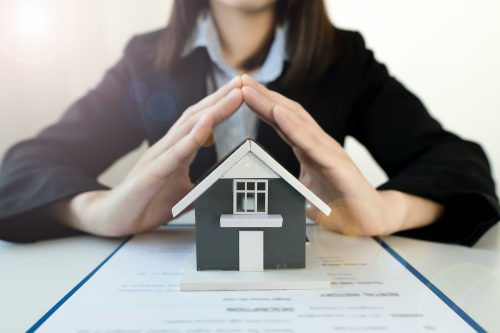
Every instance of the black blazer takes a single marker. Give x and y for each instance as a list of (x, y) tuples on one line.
[(355, 96)]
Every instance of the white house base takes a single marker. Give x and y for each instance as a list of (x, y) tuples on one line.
[(311, 277)]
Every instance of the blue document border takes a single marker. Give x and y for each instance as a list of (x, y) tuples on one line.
[(72, 291), (461, 313)]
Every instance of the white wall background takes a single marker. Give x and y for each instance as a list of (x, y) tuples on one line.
[(446, 51)]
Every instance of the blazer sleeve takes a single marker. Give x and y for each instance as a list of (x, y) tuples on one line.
[(66, 158), (419, 156)]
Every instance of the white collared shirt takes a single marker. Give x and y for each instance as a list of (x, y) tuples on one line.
[(243, 123)]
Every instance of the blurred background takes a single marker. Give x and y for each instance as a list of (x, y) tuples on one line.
[(447, 52)]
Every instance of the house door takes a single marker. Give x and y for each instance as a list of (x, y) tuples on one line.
[(251, 251)]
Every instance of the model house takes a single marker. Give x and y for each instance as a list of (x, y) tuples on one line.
[(250, 214)]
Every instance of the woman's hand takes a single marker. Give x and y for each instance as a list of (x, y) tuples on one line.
[(159, 180), (326, 169)]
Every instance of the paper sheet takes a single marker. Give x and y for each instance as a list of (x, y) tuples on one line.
[(137, 291)]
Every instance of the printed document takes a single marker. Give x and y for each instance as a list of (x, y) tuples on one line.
[(137, 290)]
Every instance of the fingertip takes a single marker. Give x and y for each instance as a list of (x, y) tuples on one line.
[(255, 100), (247, 79), (236, 81)]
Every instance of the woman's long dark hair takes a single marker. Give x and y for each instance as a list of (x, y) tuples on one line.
[(310, 37)]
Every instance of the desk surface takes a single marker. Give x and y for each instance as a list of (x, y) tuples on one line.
[(35, 276)]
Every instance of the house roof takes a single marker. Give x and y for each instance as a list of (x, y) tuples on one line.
[(248, 146)]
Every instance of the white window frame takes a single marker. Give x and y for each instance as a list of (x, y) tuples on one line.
[(255, 191)]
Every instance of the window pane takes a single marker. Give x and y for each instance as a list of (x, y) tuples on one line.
[(250, 202), (261, 186), (240, 185), (250, 186), (240, 198), (261, 202)]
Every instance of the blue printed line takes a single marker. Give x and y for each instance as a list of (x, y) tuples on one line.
[(461, 313), (72, 291)]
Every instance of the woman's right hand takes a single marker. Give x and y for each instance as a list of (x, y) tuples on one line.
[(144, 199)]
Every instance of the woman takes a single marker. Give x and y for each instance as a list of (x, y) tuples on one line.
[(318, 84)]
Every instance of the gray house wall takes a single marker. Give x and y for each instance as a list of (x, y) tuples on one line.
[(218, 248)]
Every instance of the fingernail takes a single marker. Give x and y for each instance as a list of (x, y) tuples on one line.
[(235, 79), (246, 77)]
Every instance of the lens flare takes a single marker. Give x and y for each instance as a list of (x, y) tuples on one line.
[(35, 30), (32, 21)]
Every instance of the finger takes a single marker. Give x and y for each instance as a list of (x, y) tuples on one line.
[(219, 112), (206, 102), (307, 137), (263, 100), (222, 109), (293, 123), (183, 151), (291, 127), (226, 107), (259, 103), (210, 141), (273, 96), (263, 107), (215, 96)]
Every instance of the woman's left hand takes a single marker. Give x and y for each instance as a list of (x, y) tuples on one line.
[(325, 168)]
